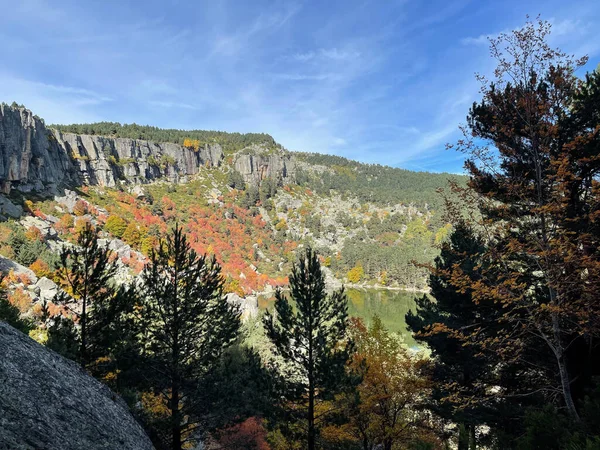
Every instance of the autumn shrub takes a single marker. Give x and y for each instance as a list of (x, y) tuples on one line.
[(41, 268), (115, 225), (80, 225), (133, 234), (20, 300), (356, 274), (34, 234), (65, 223), (80, 208), (149, 243)]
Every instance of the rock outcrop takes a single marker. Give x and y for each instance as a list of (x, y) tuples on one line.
[(256, 166), (104, 161), (44, 160), (30, 159), (48, 402), (35, 158)]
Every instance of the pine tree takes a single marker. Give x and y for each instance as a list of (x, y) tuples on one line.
[(187, 325), (87, 275), (311, 337), (462, 370)]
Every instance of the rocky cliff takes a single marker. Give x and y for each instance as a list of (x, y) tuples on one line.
[(48, 402), (36, 158), (255, 166), (29, 158), (104, 161)]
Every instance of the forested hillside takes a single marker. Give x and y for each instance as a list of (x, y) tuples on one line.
[(229, 141)]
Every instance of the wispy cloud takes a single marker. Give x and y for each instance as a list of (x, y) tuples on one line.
[(333, 54), (167, 104), (375, 81)]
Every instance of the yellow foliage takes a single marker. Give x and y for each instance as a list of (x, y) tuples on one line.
[(20, 300), (41, 269), (39, 335), (193, 144), (356, 274)]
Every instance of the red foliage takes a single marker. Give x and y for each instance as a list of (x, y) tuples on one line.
[(248, 435)]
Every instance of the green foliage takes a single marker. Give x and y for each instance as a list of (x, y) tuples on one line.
[(116, 226), (186, 326), (27, 250), (87, 273), (235, 180), (229, 141), (311, 339), (375, 183)]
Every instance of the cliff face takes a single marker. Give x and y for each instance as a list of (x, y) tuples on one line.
[(257, 167), (29, 158), (103, 160), (35, 158), (49, 402)]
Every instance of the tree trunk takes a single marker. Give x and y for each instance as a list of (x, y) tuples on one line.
[(463, 437), (82, 350), (473, 438), (311, 416), (176, 423), (565, 379)]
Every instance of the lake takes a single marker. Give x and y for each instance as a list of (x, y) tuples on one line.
[(390, 306)]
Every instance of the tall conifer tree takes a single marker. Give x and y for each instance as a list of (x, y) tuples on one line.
[(87, 272), (187, 325), (310, 335)]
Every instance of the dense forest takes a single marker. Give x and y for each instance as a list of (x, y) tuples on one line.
[(374, 182), (509, 329), (229, 141)]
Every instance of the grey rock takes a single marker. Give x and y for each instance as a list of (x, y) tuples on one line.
[(46, 289), (9, 209), (6, 265), (48, 402), (44, 226), (35, 158), (248, 305), (256, 167), (68, 200)]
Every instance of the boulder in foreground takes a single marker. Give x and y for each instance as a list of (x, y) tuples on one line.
[(49, 402)]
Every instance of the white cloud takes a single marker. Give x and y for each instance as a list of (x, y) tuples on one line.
[(168, 104)]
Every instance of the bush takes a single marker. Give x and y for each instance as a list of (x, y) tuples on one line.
[(30, 251), (116, 226), (80, 208), (356, 274), (41, 268)]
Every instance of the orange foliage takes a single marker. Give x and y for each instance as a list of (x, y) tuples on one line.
[(65, 223), (20, 299), (80, 208), (41, 269), (34, 234)]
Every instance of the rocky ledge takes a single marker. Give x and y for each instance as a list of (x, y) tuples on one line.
[(48, 402)]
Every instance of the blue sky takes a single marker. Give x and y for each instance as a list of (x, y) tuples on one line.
[(378, 81)]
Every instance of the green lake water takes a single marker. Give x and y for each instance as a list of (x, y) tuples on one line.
[(390, 306)]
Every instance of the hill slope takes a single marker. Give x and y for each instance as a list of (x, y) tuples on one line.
[(241, 197)]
